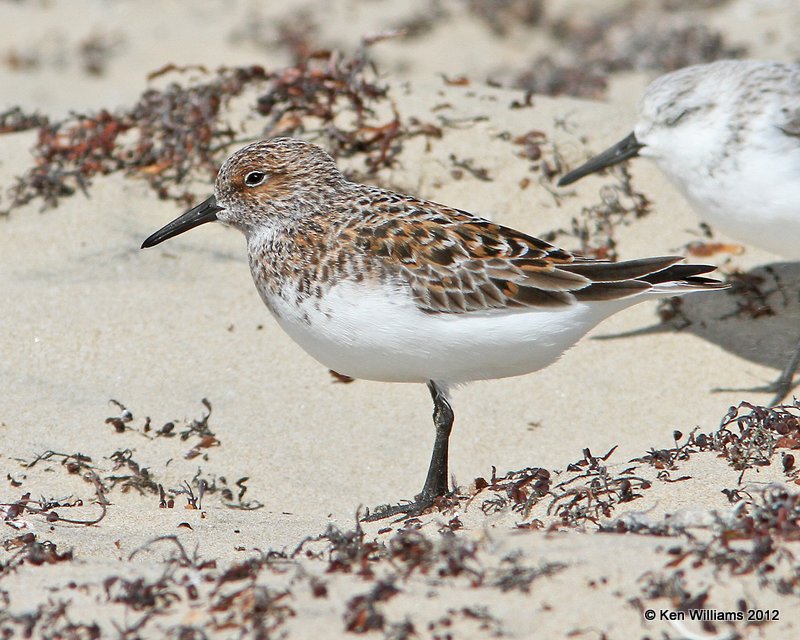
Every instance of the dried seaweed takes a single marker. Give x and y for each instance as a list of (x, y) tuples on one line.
[(675, 589), (15, 119), (751, 294), (520, 489), (347, 551), (748, 436), (753, 541), (622, 39), (75, 464), (468, 165), (594, 227), (591, 492), (448, 555), (514, 576), (96, 50), (184, 130), (362, 613), (138, 478), (164, 137), (548, 77), (49, 620), (27, 550), (487, 624), (338, 95), (503, 15), (598, 493)]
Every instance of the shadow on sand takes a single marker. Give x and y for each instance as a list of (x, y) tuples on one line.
[(757, 320)]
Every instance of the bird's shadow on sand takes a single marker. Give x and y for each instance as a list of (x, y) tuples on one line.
[(757, 319)]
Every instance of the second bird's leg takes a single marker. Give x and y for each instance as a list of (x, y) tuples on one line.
[(436, 480), (783, 385)]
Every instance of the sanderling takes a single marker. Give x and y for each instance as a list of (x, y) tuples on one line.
[(728, 135), (384, 286)]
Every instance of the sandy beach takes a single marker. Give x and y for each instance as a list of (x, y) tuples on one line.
[(175, 466)]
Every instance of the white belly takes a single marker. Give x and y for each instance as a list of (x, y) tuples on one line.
[(754, 196), (370, 334), (769, 219)]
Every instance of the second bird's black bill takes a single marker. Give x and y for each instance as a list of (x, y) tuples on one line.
[(624, 149)]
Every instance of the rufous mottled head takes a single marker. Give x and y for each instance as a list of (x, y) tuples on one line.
[(271, 178)]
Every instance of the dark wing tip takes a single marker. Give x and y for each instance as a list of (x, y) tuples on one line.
[(689, 273)]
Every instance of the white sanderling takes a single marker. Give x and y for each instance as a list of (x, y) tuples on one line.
[(728, 136), (384, 286)]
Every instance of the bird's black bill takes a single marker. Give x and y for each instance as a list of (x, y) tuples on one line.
[(624, 149), (204, 212)]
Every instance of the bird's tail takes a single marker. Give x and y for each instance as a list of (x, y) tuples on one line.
[(683, 277)]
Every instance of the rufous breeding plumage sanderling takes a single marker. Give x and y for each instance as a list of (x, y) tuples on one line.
[(727, 134), (384, 286)]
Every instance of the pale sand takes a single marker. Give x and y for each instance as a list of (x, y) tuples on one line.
[(89, 317)]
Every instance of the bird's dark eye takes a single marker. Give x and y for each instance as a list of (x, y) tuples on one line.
[(671, 122), (255, 178)]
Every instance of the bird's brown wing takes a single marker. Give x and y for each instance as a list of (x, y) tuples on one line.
[(456, 262)]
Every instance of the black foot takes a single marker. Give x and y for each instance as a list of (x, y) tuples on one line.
[(406, 510), (436, 481), (783, 385)]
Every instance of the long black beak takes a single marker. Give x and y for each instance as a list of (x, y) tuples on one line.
[(624, 149), (204, 212)]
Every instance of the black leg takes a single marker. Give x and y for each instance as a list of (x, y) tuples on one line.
[(436, 480), (783, 385)]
